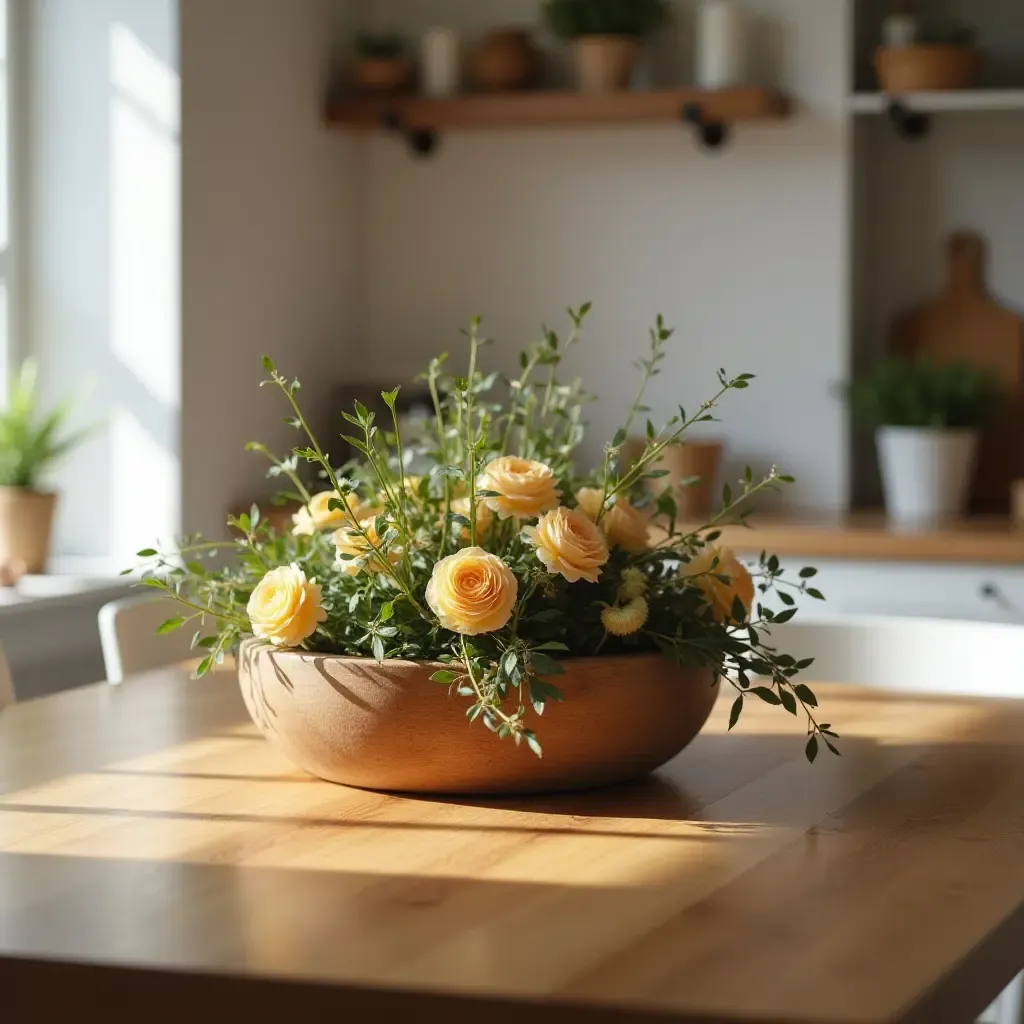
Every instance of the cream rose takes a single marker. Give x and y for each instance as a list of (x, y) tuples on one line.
[(484, 518), (349, 541), (568, 543), (285, 607), (719, 595), (525, 489), (625, 527), (472, 592), (317, 516)]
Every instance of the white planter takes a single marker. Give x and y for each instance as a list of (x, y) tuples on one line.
[(925, 472), (721, 44), (440, 63)]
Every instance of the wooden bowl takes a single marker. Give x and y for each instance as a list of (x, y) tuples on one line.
[(388, 727), (926, 68), (382, 75)]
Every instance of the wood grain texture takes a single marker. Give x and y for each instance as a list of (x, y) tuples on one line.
[(158, 858), (534, 109), (867, 536)]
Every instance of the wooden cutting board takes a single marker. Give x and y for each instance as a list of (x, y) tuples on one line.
[(964, 322)]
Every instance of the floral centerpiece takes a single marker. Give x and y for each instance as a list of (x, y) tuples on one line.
[(502, 566)]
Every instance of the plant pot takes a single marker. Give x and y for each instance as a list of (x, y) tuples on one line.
[(388, 727), (696, 461), (903, 69), (385, 75), (926, 473), (505, 61), (26, 522), (604, 64)]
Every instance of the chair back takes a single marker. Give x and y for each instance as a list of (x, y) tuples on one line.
[(129, 639)]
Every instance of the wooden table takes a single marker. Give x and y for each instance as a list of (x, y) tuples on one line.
[(159, 862)]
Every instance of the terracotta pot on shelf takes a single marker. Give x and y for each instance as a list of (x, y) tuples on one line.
[(693, 470), (26, 522), (926, 68), (505, 61), (385, 75), (604, 64), (388, 727)]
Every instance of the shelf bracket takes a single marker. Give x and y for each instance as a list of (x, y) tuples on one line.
[(908, 124), (712, 134), (422, 142)]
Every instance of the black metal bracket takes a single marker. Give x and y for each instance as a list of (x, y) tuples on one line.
[(908, 124), (422, 142), (712, 134)]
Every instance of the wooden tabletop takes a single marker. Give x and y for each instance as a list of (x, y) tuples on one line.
[(156, 854), (869, 536)]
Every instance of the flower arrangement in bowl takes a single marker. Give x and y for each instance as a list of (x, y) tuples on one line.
[(567, 610)]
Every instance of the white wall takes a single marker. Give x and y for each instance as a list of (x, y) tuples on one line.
[(99, 168), (746, 251), (266, 235)]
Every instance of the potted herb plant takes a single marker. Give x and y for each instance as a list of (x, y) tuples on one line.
[(605, 37), (944, 55), (928, 418), (381, 64), (562, 608), (30, 443)]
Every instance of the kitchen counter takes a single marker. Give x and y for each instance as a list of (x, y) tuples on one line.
[(869, 537)]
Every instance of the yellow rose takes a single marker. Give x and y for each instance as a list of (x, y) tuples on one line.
[(348, 541), (317, 516), (719, 595), (484, 518), (568, 543), (625, 527), (525, 489), (472, 592), (285, 607)]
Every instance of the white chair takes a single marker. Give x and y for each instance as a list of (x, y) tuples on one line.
[(129, 639), (924, 655), (7, 696)]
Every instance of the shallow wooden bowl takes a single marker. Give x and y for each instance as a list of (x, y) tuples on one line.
[(387, 727)]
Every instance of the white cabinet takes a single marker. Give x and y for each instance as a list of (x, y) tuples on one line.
[(979, 593)]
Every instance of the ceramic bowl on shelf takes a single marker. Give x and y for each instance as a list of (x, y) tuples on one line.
[(926, 68)]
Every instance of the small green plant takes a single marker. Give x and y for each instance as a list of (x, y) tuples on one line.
[(380, 46), (571, 19), (947, 32), (900, 392), (31, 442)]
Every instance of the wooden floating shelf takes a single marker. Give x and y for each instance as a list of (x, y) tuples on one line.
[(963, 100), (535, 109)]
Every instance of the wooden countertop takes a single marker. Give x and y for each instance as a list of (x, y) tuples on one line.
[(869, 537), (160, 862)]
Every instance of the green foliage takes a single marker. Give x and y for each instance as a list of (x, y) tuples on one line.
[(947, 32), (31, 441), (394, 530), (899, 392), (570, 19), (380, 46)]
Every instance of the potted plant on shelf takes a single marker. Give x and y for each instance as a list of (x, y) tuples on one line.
[(381, 64), (605, 37), (927, 419), (503, 577), (944, 55), (30, 444)]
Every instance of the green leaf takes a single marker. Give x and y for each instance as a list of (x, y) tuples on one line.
[(170, 625), (146, 553), (811, 750), (816, 594), (532, 742), (835, 750), (204, 666), (785, 616), (443, 676), (510, 666), (377, 645), (268, 364), (620, 438), (390, 397), (807, 572), (737, 710), (738, 612), (788, 701), (785, 598), (726, 495), (544, 665), (551, 645), (387, 610), (806, 694), (766, 694)]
